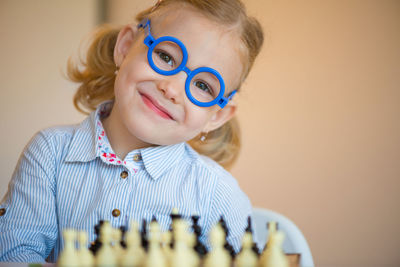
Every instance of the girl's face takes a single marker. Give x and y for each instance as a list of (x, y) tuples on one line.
[(154, 108)]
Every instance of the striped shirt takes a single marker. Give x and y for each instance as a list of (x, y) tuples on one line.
[(62, 180)]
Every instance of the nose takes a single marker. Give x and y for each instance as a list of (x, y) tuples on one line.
[(173, 86)]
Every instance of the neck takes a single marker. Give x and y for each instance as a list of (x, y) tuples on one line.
[(121, 140)]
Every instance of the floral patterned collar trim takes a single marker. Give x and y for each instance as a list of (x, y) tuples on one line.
[(103, 147)]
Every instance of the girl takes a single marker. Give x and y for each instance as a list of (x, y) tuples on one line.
[(162, 121)]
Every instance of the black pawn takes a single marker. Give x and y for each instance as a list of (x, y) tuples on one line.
[(227, 246), (143, 235), (200, 248), (95, 245), (123, 231), (249, 229)]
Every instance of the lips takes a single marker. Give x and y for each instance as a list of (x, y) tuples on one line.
[(156, 107)]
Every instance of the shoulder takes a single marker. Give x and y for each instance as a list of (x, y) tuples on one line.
[(209, 167), (54, 136), (225, 185)]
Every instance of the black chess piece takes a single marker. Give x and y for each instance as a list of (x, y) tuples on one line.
[(174, 216), (95, 245), (227, 245), (143, 235), (123, 228), (200, 248)]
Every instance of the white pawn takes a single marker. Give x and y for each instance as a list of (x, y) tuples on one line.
[(272, 228), (182, 254), (155, 256), (134, 254), (274, 255), (166, 238), (191, 242), (105, 256), (69, 256), (247, 257), (118, 249), (86, 257), (218, 256)]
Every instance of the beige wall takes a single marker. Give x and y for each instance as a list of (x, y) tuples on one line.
[(319, 113)]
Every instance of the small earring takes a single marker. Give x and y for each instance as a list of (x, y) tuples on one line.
[(203, 137), (117, 69)]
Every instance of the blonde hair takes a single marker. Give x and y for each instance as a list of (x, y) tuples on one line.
[(97, 75)]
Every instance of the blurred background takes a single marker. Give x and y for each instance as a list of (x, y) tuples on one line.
[(320, 112)]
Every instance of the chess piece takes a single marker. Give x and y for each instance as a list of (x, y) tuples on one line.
[(274, 256), (247, 257), (199, 247), (143, 235), (155, 256), (174, 217), (249, 229), (95, 246), (86, 258), (218, 256), (105, 255), (166, 238), (272, 228), (123, 233), (134, 254), (183, 255), (69, 256), (116, 244), (227, 245)]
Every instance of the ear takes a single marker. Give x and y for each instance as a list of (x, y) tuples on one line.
[(125, 40), (223, 115)]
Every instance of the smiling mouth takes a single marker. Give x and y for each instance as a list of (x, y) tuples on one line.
[(150, 103)]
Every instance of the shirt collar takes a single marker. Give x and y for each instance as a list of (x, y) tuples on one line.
[(83, 143), (159, 159), (156, 159)]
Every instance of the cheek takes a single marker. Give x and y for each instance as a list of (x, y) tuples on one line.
[(197, 117)]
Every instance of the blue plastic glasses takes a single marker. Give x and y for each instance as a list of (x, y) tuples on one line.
[(167, 55)]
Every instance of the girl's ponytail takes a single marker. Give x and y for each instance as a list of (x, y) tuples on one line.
[(96, 77)]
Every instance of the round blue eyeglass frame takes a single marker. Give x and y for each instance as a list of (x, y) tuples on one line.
[(151, 43)]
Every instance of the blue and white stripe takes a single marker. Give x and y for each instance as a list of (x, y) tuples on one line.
[(60, 182)]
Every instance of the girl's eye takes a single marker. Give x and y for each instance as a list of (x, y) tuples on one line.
[(203, 86), (166, 58)]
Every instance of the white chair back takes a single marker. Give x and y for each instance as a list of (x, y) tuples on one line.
[(294, 240)]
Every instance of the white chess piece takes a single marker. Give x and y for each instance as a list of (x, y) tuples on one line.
[(247, 257), (86, 257), (183, 255), (155, 256), (105, 256), (218, 256), (116, 241), (166, 238), (274, 255), (69, 256), (134, 254), (272, 228)]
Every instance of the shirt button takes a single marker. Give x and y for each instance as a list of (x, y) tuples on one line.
[(116, 213), (137, 157), (124, 174), (2, 211)]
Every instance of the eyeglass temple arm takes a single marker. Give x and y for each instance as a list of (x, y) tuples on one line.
[(224, 100), (145, 24)]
